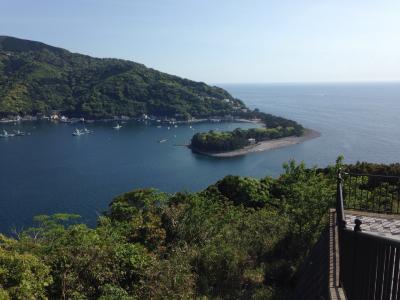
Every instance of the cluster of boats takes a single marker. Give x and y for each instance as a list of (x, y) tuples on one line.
[(169, 127), (78, 132), (16, 133)]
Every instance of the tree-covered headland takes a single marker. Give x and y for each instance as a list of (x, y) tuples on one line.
[(275, 127), (36, 78)]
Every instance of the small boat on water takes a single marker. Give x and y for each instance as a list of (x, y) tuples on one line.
[(19, 132), (86, 131), (6, 134), (117, 126), (77, 132), (163, 140), (159, 126)]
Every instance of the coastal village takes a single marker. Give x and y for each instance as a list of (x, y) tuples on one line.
[(58, 116)]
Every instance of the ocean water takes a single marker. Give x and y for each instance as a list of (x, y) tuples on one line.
[(51, 171), (360, 121)]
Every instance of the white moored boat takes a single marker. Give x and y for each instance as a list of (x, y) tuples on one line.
[(19, 132), (77, 132), (86, 131), (6, 134)]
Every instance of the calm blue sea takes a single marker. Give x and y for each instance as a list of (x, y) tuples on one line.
[(51, 171)]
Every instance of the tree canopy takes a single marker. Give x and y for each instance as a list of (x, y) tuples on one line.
[(216, 141), (241, 238)]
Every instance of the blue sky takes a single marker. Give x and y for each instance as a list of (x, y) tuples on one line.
[(224, 41)]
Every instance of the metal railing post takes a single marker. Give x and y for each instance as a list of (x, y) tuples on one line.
[(341, 222), (339, 201)]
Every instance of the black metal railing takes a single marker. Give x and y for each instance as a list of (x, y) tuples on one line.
[(341, 221), (373, 193), (369, 264)]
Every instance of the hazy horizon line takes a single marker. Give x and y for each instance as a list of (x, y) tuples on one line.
[(309, 82)]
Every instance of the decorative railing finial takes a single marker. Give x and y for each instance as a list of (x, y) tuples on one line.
[(357, 227)]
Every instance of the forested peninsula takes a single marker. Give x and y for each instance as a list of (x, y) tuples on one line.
[(275, 132)]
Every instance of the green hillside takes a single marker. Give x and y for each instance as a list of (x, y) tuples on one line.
[(37, 78)]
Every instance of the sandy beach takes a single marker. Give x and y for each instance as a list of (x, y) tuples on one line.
[(266, 145)]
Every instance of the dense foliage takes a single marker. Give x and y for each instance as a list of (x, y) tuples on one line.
[(37, 78), (215, 141), (271, 121), (372, 187), (241, 238), (374, 169)]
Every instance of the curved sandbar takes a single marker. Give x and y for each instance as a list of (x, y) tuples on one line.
[(265, 145)]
